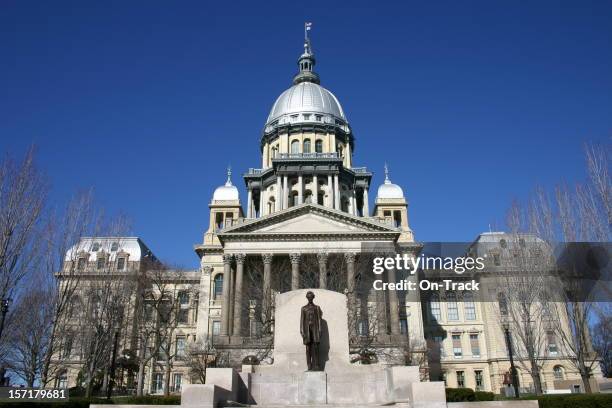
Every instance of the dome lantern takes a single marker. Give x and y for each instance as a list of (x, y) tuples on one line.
[(306, 63)]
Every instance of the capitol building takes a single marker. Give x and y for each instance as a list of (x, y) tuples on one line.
[(310, 219)]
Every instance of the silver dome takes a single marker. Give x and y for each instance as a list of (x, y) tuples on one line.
[(227, 192), (388, 189), (303, 102)]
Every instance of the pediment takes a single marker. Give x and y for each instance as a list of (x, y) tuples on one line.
[(309, 219), (310, 223)]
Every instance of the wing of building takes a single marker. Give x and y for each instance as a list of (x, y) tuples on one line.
[(306, 223)]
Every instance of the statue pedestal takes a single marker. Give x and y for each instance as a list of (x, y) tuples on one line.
[(312, 388), (287, 382)]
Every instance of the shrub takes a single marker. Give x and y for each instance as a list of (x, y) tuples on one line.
[(149, 400), (575, 400), (460, 394), (484, 396), (75, 402)]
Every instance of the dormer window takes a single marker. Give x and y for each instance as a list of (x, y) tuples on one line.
[(95, 247), (114, 246)]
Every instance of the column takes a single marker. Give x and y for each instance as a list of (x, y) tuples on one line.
[(349, 257), (267, 295), (322, 258), (261, 202), (336, 193), (230, 318), (366, 206), (278, 205), (227, 259), (249, 203), (300, 189), (238, 312), (393, 303), (315, 187), (295, 270), (285, 193), (353, 203), (330, 188)]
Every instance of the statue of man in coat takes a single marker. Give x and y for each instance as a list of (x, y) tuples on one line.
[(310, 329)]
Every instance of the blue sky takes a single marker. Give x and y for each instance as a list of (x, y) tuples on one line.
[(471, 104)]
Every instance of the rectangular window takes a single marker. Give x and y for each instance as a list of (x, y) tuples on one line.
[(403, 326), (362, 328), (451, 305), (457, 351), (81, 264), (216, 328), (183, 316), (158, 383), (479, 380), (62, 381), (475, 345), (434, 308), (100, 263), (552, 344), (183, 297), (460, 379), (120, 264), (177, 380), (180, 347), (469, 306)]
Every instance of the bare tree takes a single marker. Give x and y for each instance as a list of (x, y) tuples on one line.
[(63, 230), (160, 312), (200, 356), (22, 198), (602, 338), (29, 337), (583, 213)]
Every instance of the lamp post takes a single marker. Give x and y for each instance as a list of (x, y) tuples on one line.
[(514, 374), (4, 307)]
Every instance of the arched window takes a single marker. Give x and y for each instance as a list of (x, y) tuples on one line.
[(306, 146), (344, 204), (293, 199), (295, 147), (271, 205), (308, 196), (558, 372), (319, 146), (218, 286)]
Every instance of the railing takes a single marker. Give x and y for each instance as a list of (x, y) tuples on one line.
[(255, 171), (332, 155), (360, 169)]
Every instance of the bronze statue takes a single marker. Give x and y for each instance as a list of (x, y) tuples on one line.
[(310, 329)]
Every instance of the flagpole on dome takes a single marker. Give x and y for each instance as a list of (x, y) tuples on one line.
[(307, 28)]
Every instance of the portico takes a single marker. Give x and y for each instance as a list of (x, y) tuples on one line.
[(307, 246)]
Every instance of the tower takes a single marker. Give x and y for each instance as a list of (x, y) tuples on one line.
[(307, 151)]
